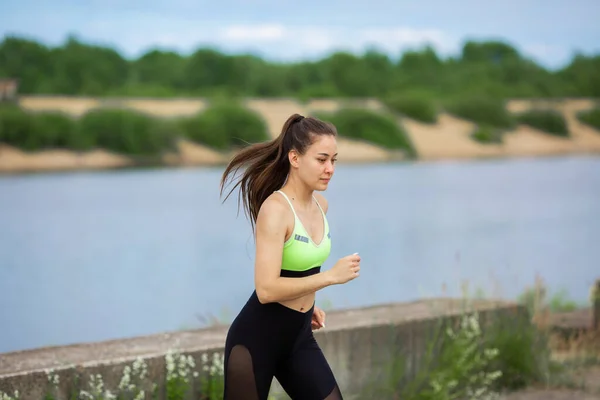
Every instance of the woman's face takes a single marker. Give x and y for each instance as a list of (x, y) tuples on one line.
[(316, 166)]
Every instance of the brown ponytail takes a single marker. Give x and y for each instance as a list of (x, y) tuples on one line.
[(267, 163)]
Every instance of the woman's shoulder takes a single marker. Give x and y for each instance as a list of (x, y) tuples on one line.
[(275, 204), (276, 207), (274, 214)]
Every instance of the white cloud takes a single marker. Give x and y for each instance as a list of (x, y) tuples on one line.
[(541, 51), (290, 41), (252, 33), (407, 37), (272, 40)]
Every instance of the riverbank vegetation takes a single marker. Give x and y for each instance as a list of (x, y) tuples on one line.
[(223, 126)]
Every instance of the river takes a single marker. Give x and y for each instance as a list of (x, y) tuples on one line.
[(90, 256)]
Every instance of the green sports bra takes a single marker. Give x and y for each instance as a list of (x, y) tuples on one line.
[(301, 256)]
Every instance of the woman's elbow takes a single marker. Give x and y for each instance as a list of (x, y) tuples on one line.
[(264, 294)]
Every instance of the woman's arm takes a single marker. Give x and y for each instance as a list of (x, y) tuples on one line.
[(270, 236)]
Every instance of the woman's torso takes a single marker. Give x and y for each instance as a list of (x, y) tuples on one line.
[(307, 246)]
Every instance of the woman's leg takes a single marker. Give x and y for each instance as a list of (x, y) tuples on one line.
[(257, 339), (306, 374), (247, 376)]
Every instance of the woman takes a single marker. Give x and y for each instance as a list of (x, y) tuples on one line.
[(272, 335)]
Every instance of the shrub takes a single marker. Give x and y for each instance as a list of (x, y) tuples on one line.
[(17, 128), (537, 299), (523, 352), (550, 121), (36, 131), (590, 117), (317, 91), (223, 126), (124, 131), (481, 110), (369, 126), (458, 363), (487, 135), (417, 106), (56, 130)]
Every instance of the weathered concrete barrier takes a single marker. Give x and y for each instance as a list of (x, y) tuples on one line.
[(359, 344)]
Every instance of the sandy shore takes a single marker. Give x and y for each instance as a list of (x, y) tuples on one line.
[(449, 138)]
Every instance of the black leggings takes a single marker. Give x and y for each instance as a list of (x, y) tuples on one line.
[(272, 340)]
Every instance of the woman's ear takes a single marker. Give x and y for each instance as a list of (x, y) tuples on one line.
[(293, 158)]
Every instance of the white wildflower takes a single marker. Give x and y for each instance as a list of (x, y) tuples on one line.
[(6, 396)]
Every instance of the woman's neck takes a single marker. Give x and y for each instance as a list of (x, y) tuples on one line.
[(298, 192)]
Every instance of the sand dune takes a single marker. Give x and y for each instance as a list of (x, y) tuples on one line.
[(190, 153), (276, 112), (15, 160), (449, 138), (167, 108), (74, 106), (528, 141)]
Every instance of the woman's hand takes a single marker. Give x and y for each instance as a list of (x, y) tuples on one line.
[(346, 269), (318, 319)]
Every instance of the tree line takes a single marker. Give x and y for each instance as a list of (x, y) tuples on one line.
[(489, 68)]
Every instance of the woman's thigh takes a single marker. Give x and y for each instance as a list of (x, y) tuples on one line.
[(306, 374)]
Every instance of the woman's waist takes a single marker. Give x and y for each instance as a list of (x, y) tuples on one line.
[(303, 305)]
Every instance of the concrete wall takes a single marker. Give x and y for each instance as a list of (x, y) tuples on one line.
[(360, 345)]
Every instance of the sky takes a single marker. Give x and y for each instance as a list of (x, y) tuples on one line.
[(548, 31)]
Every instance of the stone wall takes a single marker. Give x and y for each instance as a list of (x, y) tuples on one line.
[(360, 345)]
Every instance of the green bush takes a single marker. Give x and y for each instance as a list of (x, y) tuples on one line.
[(550, 121), (226, 125), (377, 128), (487, 135), (417, 106), (124, 131), (309, 92), (56, 130), (590, 117), (38, 131), (17, 128), (481, 110), (523, 352), (458, 362)]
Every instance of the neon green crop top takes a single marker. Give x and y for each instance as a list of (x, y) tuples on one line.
[(302, 256)]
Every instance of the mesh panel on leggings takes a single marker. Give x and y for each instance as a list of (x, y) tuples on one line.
[(335, 394), (241, 384)]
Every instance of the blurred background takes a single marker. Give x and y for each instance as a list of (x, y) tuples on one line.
[(469, 142)]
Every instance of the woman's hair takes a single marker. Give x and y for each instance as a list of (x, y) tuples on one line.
[(267, 163)]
